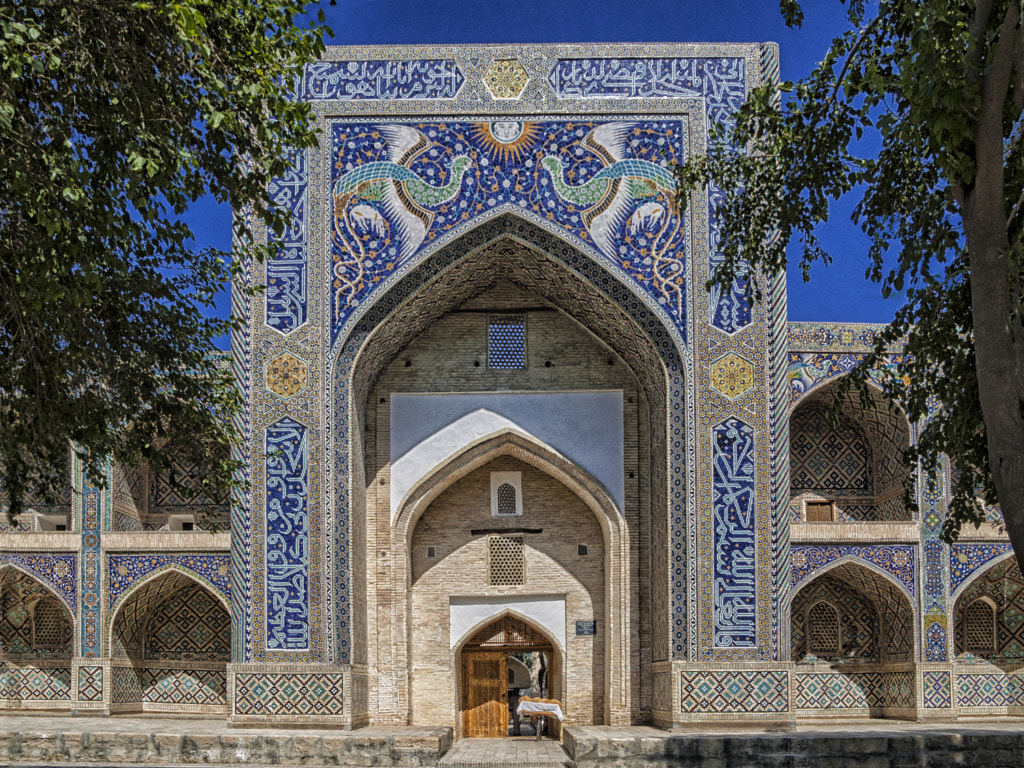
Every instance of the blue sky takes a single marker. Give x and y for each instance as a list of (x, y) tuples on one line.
[(838, 293)]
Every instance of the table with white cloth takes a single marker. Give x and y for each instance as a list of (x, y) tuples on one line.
[(538, 709)]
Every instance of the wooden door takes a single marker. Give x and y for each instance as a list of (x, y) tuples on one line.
[(484, 694)]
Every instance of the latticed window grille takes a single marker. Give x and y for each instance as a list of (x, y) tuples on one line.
[(980, 627), (50, 628), (506, 560), (823, 630), (506, 342), (506, 499)]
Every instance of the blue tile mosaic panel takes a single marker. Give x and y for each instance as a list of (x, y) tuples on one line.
[(399, 188), (57, 572), (897, 559), (734, 536), (124, 572), (380, 80), (287, 272), (720, 82), (287, 539), (966, 559)]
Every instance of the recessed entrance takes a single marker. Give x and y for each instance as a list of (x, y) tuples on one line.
[(486, 681)]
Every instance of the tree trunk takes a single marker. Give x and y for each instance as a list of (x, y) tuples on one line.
[(998, 333)]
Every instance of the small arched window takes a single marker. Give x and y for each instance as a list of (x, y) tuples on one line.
[(980, 627), (823, 636), (506, 499)]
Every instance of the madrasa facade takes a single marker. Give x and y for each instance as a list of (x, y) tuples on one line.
[(491, 410)]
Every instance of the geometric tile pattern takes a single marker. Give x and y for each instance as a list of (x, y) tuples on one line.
[(833, 460), (732, 376), (90, 683), (937, 689), (286, 375), (189, 626), (989, 690), (40, 683), (185, 495), (306, 693), (125, 687), (184, 686), (506, 79), (848, 690), (1003, 585), (734, 691)]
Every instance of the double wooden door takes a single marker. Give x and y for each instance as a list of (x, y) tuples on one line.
[(485, 694)]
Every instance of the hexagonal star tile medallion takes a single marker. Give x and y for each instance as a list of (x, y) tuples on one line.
[(286, 375), (506, 79), (732, 376)]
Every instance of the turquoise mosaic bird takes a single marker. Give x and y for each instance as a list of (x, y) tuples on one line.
[(405, 196), (610, 194)]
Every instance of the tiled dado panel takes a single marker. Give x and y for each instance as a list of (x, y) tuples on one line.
[(301, 694), (853, 690), (724, 692)]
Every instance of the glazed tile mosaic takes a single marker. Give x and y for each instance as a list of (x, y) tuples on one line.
[(478, 182)]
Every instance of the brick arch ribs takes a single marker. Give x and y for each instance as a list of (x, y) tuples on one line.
[(618, 592), (511, 248)]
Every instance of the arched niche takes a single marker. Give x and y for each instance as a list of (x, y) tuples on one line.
[(877, 616), (170, 643), (1001, 587), (510, 250), (850, 469)]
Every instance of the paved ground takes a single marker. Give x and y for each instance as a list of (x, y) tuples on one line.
[(45, 739), (522, 752)]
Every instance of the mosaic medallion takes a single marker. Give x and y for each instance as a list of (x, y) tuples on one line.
[(286, 375), (506, 79), (732, 376)]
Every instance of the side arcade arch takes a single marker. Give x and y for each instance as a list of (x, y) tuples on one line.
[(170, 643), (510, 248), (848, 470), (36, 642)]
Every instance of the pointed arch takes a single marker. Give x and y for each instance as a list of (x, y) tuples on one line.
[(35, 620), (527, 448), (622, 317), (127, 617), (892, 601), (61, 598)]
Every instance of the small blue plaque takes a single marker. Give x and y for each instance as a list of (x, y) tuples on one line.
[(586, 627)]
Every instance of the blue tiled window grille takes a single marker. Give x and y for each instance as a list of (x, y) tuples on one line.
[(506, 342)]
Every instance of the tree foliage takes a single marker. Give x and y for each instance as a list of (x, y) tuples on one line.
[(115, 116), (935, 90)]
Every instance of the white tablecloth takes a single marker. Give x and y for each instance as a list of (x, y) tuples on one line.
[(528, 707)]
